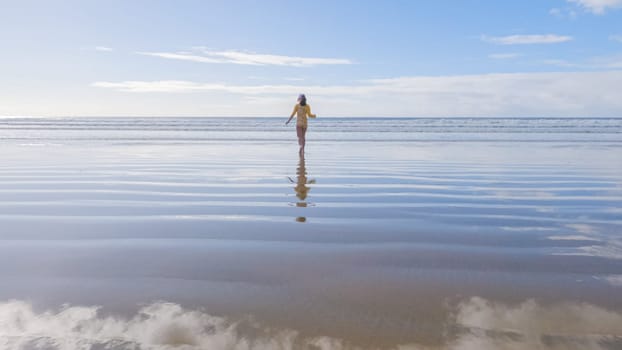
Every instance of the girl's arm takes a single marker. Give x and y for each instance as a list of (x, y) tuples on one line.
[(311, 115), (291, 116)]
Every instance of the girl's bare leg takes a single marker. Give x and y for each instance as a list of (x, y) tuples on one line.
[(301, 138)]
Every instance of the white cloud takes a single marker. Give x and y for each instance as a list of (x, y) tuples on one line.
[(608, 62), (617, 37), (598, 7), (563, 94), (503, 56), (517, 94), (204, 55), (602, 62), (527, 39), (181, 86), (562, 63), (183, 56), (103, 48), (563, 13)]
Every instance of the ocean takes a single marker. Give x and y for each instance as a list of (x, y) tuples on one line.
[(390, 233)]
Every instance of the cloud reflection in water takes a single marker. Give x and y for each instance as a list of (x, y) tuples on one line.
[(476, 323)]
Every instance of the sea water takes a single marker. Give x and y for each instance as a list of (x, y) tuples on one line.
[(213, 232)]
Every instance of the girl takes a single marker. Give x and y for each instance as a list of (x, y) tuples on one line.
[(301, 111)]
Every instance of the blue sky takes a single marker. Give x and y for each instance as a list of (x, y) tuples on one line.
[(352, 58)]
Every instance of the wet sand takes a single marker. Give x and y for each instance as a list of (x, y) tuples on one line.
[(440, 245)]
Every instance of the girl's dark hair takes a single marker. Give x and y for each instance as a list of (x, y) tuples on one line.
[(302, 100)]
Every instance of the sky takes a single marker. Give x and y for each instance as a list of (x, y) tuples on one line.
[(395, 58)]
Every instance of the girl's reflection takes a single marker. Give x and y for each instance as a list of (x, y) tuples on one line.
[(302, 190)]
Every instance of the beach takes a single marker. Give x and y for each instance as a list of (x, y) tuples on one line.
[(409, 233)]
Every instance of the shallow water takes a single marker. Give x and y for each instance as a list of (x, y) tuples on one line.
[(425, 233)]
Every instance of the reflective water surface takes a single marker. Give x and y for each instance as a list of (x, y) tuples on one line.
[(207, 233)]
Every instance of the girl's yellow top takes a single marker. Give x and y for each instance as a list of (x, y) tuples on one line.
[(301, 114)]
